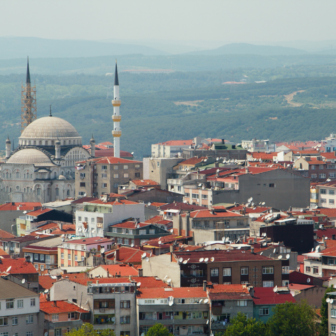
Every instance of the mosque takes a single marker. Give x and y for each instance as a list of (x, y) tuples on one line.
[(42, 167)]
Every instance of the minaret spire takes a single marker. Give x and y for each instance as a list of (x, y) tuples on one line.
[(28, 101), (28, 73), (116, 117)]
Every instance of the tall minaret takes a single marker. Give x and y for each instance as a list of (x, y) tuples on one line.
[(28, 101), (116, 117)]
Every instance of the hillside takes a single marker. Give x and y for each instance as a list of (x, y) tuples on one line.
[(250, 49), (225, 111)]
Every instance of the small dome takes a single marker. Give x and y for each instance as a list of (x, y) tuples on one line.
[(29, 156), (61, 177), (49, 127)]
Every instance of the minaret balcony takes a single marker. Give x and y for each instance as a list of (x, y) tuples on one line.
[(116, 134), (116, 102), (116, 118)]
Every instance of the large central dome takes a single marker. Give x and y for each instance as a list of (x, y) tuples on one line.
[(50, 127), (44, 131)]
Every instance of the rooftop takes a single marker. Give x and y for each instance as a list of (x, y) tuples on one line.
[(121, 270), (58, 307), (22, 206), (229, 292), (16, 266), (38, 212), (267, 296), (144, 183), (176, 292), (11, 290), (89, 241)]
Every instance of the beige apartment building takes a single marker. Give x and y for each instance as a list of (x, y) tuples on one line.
[(95, 177), (326, 194)]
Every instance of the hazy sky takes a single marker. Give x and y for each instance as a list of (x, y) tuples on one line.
[(219, 20)]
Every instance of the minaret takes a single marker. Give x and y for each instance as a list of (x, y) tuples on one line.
[(28, 101), (8, 148), (57, 149), (93, 146), (116, 117)]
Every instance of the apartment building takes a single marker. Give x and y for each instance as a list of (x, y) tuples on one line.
[(170, 149), (103, 175), (20, 310), (97, 215), (133, 233), (75, 252), (61, 317), (43, 254), (190, 268), (225, 303), (111, 301), (326, 194), (212, 225), (184, 311), (278, 188)]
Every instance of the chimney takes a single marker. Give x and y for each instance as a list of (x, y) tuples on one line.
[(204, 285), (116, 255), (108, 273), (27, 258), (171, 248), (223, 141), (140, 272), (130, 278), (323, 239), (252, 249)]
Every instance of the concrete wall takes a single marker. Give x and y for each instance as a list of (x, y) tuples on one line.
[(157, 195), (8, 220), (313, 296), (161, 266), (289, 190)]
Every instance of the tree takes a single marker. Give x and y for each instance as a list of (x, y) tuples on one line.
[(293, 319), (87, 330), (158, 330), (324, 313), (241, 325)]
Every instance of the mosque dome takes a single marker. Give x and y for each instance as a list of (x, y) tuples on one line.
[(47, 130), (29, 156), (61, 177)]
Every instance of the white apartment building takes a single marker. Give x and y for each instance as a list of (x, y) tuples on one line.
[(326, 194), (19, 310)]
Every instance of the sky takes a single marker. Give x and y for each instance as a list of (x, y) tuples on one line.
[(174, 20)]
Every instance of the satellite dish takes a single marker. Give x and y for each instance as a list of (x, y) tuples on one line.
[(8, 269), (207, 322), (308, 280), (200, 301), (185, 262), (144, 255), (171, 230), (23, 280), (331, 300), (102, 250), (170, 303), (206, 259), (212, 259), (287, 256), (274, 250), (280, 257), (147, 259), (132, 245), (264, 234), (180, 260), (261, 253), (206, 300), (201, 259), (138, 284), (169, 280), (263, 203), (46, 291), (327, 300)]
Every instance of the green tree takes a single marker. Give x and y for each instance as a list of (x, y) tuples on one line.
[(158, 330), (293, 319), (241, 325), (324, 313), (87, 330)]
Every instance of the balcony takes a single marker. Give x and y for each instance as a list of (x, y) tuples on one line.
[(175, 322), (219, 325)]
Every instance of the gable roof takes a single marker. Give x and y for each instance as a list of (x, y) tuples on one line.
[(17, 266), (120, 269), (176, 292), (21, 206), (144, 183), (38, 212), (229, 292), (267, 296), (5, 234), (58, 307), (10, 290)]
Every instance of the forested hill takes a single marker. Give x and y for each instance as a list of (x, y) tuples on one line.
[(286, 109)]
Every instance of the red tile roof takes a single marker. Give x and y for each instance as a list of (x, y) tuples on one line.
[(22, 206), (229, 292), (57, 307), (177, 143), (43, 297), (248, 210), (46, 281), (144, 183), (119, 202), (213, 214), (16, 266), (158, 220), (5, 234), (176, 292), (130, 225), (266, 296), (88, 241), (326, 233), (157, 204), (262, 155), (299, 287), (192, 161), (130, 255), (121, 270), (38, 212), (3, 253)]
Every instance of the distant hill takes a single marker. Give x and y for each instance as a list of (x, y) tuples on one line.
[(18, 47), (250, 49)]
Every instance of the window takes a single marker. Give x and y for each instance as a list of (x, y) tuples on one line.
[(331, 201), (285, 269), (226, 272), (214, 271), (263, 311), (244, 271), (125, 333), (115, 167), (20, 303), (323, 200), (3, 321), (79, 218), (268, 270), (57, 191), (268, 283), (82, 184), (323, 191), (313, 175), (30, 319), (14, 320), (322, 175), (126, 175), (125, 166), (54, 317), (142, 232), (62, 255), (196, 273), (104, 185), (204, 196), (29, 333), (125, 320), (242, 303), (10, 304), (152, 231), (313, 167), (69, 256), (285, 283), (331, 192), (315, 270), (36, 257), (58, 332), (271, 185), (76, 257), (137, 175), (116, 175), (32, 302), (137, 166), (307, 269), (333, 312), (332, 175), (104, 167), (125, 304), (104, 175)]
